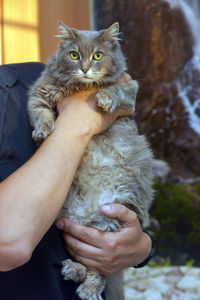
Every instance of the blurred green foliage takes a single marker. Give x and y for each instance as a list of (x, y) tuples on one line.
[(164, 262), (177, 208)]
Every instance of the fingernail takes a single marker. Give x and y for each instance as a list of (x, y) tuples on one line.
[(59, 224), (107, 208)]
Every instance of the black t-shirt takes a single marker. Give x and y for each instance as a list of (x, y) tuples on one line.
[(40, 278)]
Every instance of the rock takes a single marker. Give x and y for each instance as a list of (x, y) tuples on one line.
[(152, 294), (160, 169), (189, 283), (158, 44), (162, 283)]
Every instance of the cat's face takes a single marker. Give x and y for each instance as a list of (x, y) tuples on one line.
[(91, 56)]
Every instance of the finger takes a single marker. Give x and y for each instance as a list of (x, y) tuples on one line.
[(82, 249), (85, 234), (120, 212), (94, 265), (89, 263), (124, 112), (124, 77)]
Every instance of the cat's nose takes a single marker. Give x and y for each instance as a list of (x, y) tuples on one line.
[(84, 70)]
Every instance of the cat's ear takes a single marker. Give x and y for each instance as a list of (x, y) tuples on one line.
[(65, 31), (111, 34)]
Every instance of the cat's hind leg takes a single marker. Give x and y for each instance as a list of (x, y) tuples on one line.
[(92, 287), (73, 271)]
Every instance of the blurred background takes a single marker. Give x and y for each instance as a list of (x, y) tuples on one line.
[(161, 40), (28, 27)]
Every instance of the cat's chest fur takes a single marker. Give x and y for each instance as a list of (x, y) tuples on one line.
[(113, 164)]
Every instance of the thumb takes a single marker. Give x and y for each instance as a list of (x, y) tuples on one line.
[(120, 212)]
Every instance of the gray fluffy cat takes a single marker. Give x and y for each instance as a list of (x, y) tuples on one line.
[(116, 166)]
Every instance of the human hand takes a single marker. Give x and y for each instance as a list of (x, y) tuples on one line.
[(85, 115), (107, 252)]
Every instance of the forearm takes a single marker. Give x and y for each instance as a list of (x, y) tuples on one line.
[(31, 197)]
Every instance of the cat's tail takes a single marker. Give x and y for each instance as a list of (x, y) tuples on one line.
[(114, 287)]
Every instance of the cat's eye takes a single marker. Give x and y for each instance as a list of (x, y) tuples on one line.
[(98, 55), (74, 55)]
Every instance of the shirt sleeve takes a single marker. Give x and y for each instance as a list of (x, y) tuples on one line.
[(16, 143), (3, 96)]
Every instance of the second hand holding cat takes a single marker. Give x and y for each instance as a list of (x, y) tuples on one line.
[(107, 252)]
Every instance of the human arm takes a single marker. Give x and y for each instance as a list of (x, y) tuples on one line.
[(108, 252), (32, 196)]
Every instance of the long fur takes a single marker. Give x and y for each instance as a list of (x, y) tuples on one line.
[(116, 167)]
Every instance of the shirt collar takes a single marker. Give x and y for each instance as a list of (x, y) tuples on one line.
[(7, 77)]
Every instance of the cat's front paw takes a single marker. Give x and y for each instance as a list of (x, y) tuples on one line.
[(88, 292), (104, 100), (42, 131), (73, 271)]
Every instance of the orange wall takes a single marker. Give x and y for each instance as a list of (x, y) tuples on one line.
[(28, 27)]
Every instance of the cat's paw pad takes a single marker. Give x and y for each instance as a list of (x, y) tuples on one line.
[(73, 271), (88, 292), (104, 101), (42, 131)]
